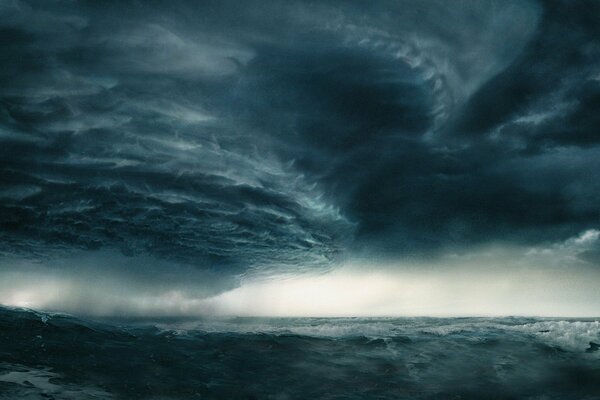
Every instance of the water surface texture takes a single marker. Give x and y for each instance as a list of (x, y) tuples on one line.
[(60, 357)]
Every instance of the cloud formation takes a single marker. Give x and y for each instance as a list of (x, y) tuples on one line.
[(279, 138)]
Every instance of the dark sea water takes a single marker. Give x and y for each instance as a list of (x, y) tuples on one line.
[(53, 356)]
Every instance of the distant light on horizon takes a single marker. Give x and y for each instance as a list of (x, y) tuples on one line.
[(351, 291), (436, 293)]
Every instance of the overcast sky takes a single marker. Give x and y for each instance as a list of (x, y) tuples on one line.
[(187, 146)]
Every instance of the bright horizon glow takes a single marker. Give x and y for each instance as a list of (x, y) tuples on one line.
[(370, 291), (450, 293)]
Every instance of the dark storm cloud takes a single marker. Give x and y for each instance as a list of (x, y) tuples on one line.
[(233, 136), (554, 80), (113, 137)]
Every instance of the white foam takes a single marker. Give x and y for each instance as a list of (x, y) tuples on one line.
[(568, 335)]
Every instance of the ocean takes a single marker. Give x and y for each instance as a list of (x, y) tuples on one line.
[(57, 356)]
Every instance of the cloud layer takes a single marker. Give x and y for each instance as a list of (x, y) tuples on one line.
[(278, 138)]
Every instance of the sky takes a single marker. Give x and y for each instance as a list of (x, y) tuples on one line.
[(300, 157)]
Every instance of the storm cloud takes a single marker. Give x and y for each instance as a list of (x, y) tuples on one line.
[(264, 137)]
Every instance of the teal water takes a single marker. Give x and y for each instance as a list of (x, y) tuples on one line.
[(57, 356)]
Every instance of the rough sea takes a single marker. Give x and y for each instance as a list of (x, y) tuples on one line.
[(57, 356)]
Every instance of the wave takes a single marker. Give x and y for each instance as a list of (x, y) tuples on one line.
[(293, 358)]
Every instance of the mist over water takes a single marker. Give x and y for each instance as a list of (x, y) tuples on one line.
[(489, 282)]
